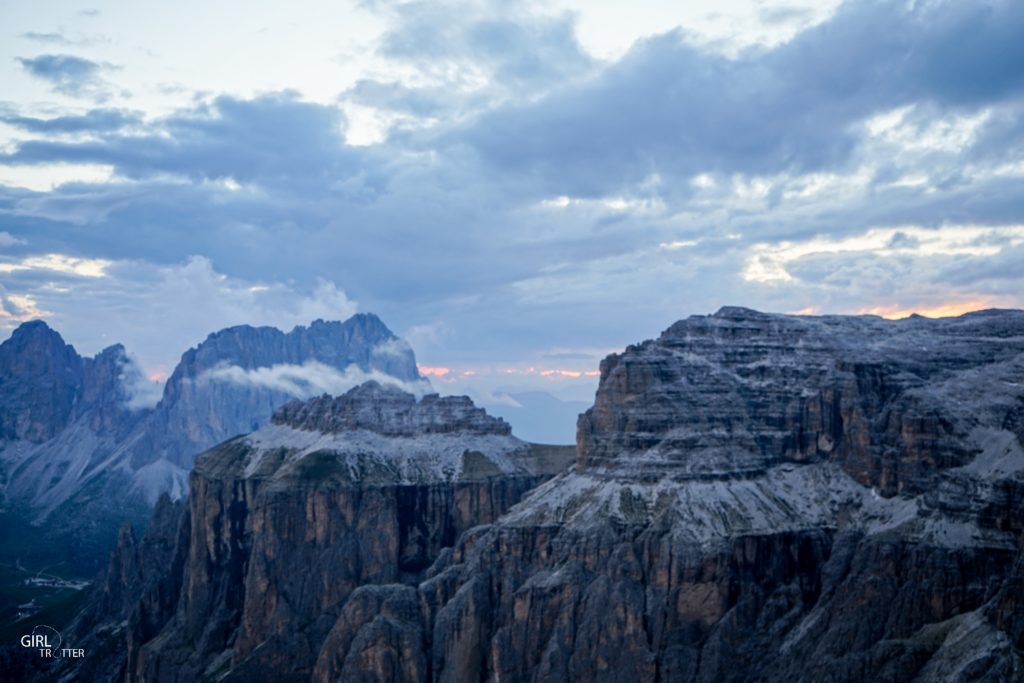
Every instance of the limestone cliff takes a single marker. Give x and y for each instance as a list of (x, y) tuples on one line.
[(364, 489), (754, 498), (759, 497)]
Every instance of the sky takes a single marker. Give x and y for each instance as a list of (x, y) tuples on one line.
[(517, 188)]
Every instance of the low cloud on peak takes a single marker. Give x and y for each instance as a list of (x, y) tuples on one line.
[(518, 193), (308, 379)]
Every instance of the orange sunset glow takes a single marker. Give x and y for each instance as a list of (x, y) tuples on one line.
[(946, 310), (435, 371), (157, 375)]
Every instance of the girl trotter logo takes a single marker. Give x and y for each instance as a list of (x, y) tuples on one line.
[(47, 641)]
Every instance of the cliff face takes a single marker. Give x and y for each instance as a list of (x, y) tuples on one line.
[(41, 378), (78, 455), (62, 420), (364, 489), (754, 497), (137, 596), (232, 382), (763, 497)]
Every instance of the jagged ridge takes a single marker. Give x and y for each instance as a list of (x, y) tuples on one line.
[(390, 411)]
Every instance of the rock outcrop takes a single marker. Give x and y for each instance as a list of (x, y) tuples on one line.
[(62, 420), (761, 497), (137, 596), (754, 497), (233, 382), (78, 454), (365, 489)]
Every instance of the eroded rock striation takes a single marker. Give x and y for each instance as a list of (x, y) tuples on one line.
[(764, 497), (288, 522), (754, 497)]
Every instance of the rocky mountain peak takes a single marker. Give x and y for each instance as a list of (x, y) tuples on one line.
[(83, 440), (386, 409), (756, 497), (233, 381), (34, 328), (35, 345), (736, 392), (40, 380), (377, 434)]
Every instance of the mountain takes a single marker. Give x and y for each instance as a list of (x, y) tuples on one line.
[(755, 497), (232, 382), (62, 419), (78, 454), (366, 488)]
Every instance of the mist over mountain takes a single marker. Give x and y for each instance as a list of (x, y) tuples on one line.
[(753, 497), (79, 454)]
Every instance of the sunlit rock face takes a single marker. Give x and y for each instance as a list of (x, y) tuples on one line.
[(753, 498)]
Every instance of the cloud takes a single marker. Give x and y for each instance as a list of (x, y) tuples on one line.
[(93, 121), (141, 391), (17, 308), (526, 199), (55, 263), (456, 59), (52, 38), (309, 379), (395, 348), (9, 240), (270, 139), (500, 42), (670, 107), (158, 312), (69, 75), (769, 262)]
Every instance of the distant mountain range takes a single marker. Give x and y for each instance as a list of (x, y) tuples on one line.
[(79, 453), (752, 497)]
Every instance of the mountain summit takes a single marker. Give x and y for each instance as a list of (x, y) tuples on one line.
[(78, 455), (754, 497)]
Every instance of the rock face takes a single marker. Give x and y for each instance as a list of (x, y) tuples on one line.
[(45, 386), (754, 498), (762, 497), (389, 412), (135, 599), (286, 523), (232, 382), (62, 420), (79, 455)]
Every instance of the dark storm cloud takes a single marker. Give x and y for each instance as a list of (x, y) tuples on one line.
[(669, 107), (453, 222)]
